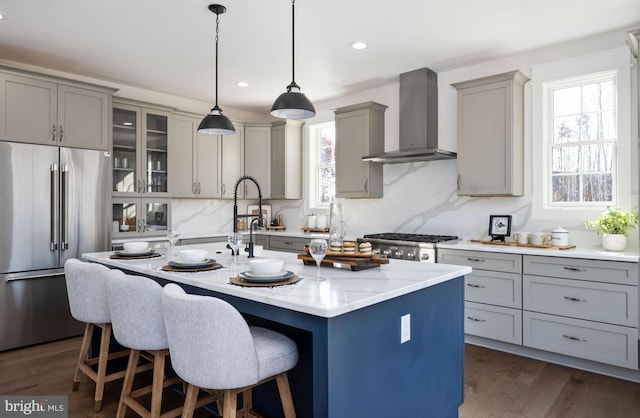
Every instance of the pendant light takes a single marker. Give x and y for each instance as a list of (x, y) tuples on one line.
[(215, 123), (293, 104)]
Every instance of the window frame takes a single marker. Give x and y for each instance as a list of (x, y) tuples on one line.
[(618, 62), (313, 159)]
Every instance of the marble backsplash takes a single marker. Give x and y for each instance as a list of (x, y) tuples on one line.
[(418, 198)]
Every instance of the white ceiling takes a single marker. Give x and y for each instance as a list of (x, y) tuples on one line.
[(168, 45)]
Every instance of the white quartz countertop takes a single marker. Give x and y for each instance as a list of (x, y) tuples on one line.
[(343, 291), (593, 253)]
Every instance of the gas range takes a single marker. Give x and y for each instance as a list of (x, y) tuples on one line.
[(415, 247)]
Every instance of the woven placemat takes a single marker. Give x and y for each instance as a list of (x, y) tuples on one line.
[(138, 257), (214, 266), (239, 282)]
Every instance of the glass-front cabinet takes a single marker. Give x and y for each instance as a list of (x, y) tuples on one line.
[(139, 217), (140, 146)]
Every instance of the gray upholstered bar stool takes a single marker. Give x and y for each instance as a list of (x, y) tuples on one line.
[(136, 314), (87, 292), (212, 347)]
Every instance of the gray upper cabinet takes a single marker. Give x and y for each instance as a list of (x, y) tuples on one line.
[(286, 160), (232, 161), (491, 135), (195, 159), (257, 159), (42, 111), (359, 132)]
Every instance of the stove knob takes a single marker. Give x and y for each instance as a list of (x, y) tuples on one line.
[(411, 256), (398, 254), (424, 257), (386, 252)]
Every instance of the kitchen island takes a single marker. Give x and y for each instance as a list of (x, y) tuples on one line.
[(348, 329)]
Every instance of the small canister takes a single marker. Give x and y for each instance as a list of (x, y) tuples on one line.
[(560, 237)]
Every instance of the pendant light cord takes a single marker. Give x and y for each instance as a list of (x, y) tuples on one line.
[(217, 33), (293, 41)]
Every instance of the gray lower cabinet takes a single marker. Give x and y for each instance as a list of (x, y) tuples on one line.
[(582, 308), (493, 293), (289, 244), (262, 240)]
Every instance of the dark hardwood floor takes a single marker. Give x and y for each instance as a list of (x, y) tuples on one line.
[(497, 385)]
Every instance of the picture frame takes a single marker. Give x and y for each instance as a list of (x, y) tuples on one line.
[(254, 210), (499, 227)]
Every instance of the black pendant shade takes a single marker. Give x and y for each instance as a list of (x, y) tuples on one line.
[(215, 123), (293, 104)]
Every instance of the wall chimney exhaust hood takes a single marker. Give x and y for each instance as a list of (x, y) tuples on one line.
[(418, 121)]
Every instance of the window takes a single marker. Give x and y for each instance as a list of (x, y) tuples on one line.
[(581, 135), (322, 165), (582, 141)]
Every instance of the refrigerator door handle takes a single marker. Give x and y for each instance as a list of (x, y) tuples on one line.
[(53, 198), (64, 212)]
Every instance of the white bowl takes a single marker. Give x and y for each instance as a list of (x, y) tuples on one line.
[(192, 256), (136, 246), (266, 266)]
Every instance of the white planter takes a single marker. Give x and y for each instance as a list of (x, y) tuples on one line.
[(614, 242)]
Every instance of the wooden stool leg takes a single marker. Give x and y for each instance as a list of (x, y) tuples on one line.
[(190, 401), (102, 365), (285, 395), (127, 385), (84, 353), (247, 403), (158, 380), (230, 403)]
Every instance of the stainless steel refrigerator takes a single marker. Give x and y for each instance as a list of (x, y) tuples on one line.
[(54, 205)]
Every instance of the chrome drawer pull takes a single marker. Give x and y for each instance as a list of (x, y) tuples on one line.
[(475, 319), (575, 269), (479, 260), (479, 286), (575, 299), (574, 338)]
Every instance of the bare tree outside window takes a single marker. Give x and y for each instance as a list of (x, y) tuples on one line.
[(326, 165), (583, 144)]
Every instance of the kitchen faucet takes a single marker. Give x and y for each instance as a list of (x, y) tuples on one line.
[(248, 215)]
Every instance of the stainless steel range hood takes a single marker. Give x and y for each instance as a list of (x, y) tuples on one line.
[(418, 121)]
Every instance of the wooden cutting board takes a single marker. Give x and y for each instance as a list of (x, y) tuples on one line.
[(353, 263)]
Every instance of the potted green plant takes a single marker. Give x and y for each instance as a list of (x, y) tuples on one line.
[(615, 226)]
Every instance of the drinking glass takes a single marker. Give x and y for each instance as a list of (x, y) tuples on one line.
[(235, 241), (172, 235), (318, 249)]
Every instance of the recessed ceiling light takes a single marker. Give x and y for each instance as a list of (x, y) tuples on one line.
[(2, 16), (242, 84), (359, 45)]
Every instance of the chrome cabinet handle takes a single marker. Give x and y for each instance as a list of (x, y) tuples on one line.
[(476, 319), (199, 188), (476, 260), (573, 299), (224, 190), (288, 243), (53, 133), (458, 182), (366, 186), (61, 133), (477, 286), (574, 268), (144, 186), (572, 338)]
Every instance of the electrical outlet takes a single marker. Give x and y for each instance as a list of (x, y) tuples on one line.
[(405, 328)]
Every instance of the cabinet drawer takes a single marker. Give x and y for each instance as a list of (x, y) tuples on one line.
[(575, 268), (604, 302), (290, 244), (481, 260), (495, 322), (493, 287), (588, 340)]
